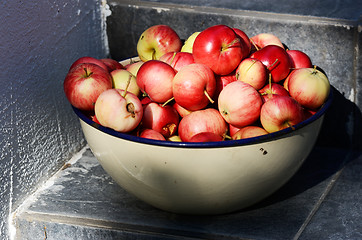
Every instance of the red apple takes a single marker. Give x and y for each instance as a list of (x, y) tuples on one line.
[(248, 132), (194, 86), (205, 120), (299, 59), (264, 39), (123, 79), (84, 83), (112, 64), (271, 89), (246, 41), (163, 119), (239, 104), (152, 134), (309, 86), (280, 112), (134, 67), (220, 48), (154, 78), (177, 59), (276, 60), (253, 72), (206, 137), (181, 110), (222, 81), (233, 129), (157, 41), (87, 59), (119, 110)]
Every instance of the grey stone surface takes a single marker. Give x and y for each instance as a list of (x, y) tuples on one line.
[(84, 197)]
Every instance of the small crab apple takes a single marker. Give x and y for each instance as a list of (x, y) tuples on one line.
[(152, 134), (177, 60), (163, 119), (246, 41), (299, 59), (112, 64), (156, 41), (264, 39), (248, 132), (134, 67), (119, 110), (253, 72), (239, 104), (123, 79), (205, 120), (272, 89)]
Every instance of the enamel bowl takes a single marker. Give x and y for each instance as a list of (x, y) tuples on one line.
[(203, 178)]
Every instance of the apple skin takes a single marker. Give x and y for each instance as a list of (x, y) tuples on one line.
[(309, 86), (269, 90), (119, 110), (134, 67), (246, 41), (181, 110), (87, 59), (253, 72), (233, 129), (152, 134), (112, 64), (120, 79), (280, 112), (187, 47), (155, 78), (177, 60), (222, 81), (84, 83), (163, 119), (276, 60), (206, 137), (156, 41), (205, 120), (220, 48), (264, 39), (189, 86), (239, 104), (248, 132), (299, 59)]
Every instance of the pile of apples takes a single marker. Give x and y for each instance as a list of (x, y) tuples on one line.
[(217, 85)]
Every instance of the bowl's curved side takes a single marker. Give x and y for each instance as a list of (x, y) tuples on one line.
[(202, 180)]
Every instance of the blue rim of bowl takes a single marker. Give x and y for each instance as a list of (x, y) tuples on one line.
[(226, 143)]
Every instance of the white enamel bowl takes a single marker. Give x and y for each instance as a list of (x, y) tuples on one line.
[(203, 178)]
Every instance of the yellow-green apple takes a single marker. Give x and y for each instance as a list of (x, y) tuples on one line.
[(177, 60), (84, 83), (155, 78), (280, 112), (239, 104), (194, 86), (157, 40), (299, 59), (204, 120), (271, 89), (123, 79), (163, 119), (112, 64), (246, 41), (264, 39), (134, 67), (276, 60), (309, 86), (87, 59), (253, 72), (206, 137), (119, 110), (220, 48), (152, 134), (187, 47), (248, 132)]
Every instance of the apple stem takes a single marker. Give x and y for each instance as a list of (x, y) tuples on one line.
[(208, 96), (270, 82), (154, 55), (173, 57), (276, 60), (236, 40), (87, 74), (169, 100), (291, 126), (254, 61), (128, 83), (256, 47)]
